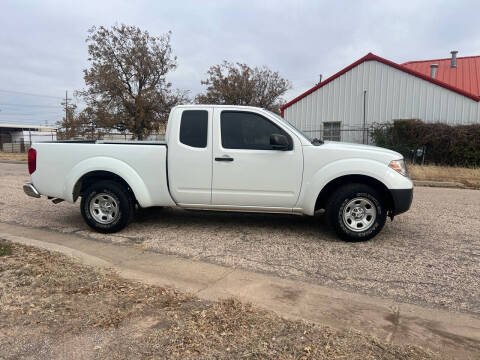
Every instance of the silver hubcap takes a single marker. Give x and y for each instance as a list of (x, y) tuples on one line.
[(359, 214), (104, 208)]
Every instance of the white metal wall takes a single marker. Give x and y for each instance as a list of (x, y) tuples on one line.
[(391, 94)]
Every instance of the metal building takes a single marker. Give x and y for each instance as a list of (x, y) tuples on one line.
[(19, 137), (374, 90)]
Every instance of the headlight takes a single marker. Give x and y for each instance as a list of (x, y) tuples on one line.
[(399, 166)]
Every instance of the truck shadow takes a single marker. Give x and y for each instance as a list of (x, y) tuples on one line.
[(222, 220)]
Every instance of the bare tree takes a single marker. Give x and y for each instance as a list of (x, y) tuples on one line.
[(83, 124), (239, 84), (69, 127), (126, 86)]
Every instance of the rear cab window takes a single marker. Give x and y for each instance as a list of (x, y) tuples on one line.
[(194, 128)]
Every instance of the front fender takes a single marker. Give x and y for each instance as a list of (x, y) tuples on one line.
[(115, 166), (374, 169)]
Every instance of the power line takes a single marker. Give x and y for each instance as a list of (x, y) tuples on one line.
[(17, 110), (32, 105), (33, 122), (22, 114), (28, 111), (30, 94)]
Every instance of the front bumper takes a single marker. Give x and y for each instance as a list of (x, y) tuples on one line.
[(402, 199), (30, 190)]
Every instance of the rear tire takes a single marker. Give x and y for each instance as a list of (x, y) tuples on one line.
[(107, 206), (356, 212)]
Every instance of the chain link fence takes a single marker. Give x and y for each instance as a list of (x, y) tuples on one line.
[(356, 135), (23, 143)]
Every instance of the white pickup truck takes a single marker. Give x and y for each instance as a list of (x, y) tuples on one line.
[(231, 158)]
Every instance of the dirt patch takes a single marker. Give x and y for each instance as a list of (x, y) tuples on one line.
[(465, 176), (54, 307)]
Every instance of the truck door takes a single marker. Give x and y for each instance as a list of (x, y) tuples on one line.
[(190, 156), (247, 170)]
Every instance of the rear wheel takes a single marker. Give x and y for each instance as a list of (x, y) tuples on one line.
[(107, 206), (356, 212)]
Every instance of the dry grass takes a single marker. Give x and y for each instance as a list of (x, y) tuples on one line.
[(466, 176), (13, 156), (53, 307)]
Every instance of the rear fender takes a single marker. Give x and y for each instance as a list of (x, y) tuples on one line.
[(114, 166)]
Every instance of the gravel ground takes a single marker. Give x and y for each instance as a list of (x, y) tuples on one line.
[(428, 256)]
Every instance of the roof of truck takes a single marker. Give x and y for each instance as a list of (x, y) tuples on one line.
[(220, 106)]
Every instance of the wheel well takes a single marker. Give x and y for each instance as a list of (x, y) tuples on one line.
[(361, 179), (88, 179)]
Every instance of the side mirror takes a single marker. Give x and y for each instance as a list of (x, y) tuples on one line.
[(279, 142)]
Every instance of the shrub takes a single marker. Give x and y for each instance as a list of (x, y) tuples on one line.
[(453, 145), (5, 249)]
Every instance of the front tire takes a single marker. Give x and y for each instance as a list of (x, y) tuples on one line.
[(107, 206), (356, 212)]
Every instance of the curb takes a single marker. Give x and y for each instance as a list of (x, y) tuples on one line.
[(444, 184), (13, 162)]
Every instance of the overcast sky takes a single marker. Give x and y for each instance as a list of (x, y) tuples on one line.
[(43, 50)]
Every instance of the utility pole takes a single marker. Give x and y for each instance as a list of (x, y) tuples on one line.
[(66, 105), (365, 137)]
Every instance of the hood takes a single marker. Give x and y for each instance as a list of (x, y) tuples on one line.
[(361, 147), (365, 151)]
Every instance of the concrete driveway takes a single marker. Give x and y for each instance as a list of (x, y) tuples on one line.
[(428, 256)]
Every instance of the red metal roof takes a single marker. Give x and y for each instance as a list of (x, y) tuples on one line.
[(475, 70), (465, 76)]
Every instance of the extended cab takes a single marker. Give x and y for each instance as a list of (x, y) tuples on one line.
[(231, 158)]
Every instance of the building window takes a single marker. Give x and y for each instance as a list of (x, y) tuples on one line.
[(331, 131), (194, 128)]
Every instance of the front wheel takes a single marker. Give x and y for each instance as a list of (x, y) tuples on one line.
[(356, 212), (107, 206)]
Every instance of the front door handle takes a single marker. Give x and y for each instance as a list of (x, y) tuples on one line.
[(224, 158)]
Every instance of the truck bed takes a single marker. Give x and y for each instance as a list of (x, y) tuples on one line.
[(117, 142), (61, 164)]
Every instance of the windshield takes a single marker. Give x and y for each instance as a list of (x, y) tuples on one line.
[(290, 126)]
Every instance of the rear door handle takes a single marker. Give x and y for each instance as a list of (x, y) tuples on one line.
[(224, 158)]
